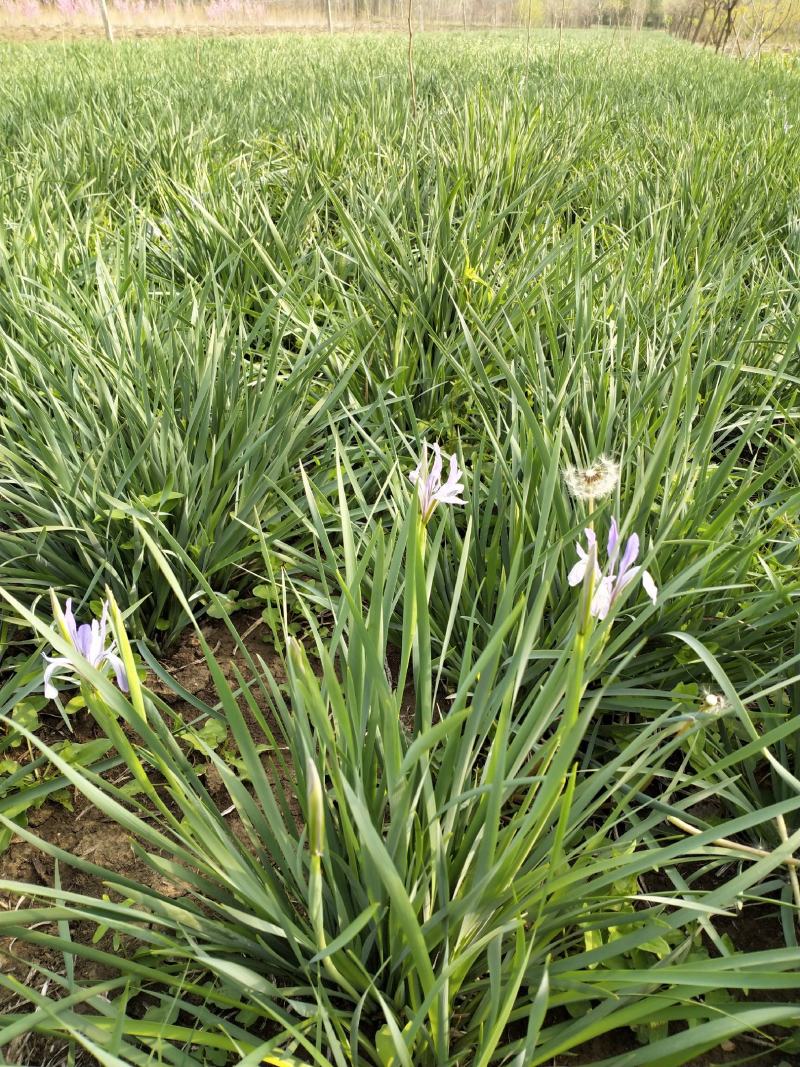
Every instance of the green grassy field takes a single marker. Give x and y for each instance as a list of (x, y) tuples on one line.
[(474, 813)]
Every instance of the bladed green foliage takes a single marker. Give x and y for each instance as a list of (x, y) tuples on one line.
[(461, 821)]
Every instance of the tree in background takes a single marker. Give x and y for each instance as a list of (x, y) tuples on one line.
[(763, 21), (581, 14), (741, 27), (746, 25)]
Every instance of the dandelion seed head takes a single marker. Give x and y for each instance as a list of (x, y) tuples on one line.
[(714, 703), (594, 482)]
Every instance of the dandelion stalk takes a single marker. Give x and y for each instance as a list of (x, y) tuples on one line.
[(560, 35), (422, 631), (793, 880), (731, 846), (411, 78), (575, 684), (528, 38)]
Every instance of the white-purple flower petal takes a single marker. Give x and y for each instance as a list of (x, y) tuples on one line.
[(613, 538), (54, 666), (118, 667), (436, 471), (602, 598), (649, 586), (69, 622), (430, 489), (617, 575), (83, 639), (576, 575), (89, 641), (625, 578), (629, 555), (450, 492)]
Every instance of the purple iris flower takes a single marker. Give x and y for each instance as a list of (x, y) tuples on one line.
[(608, 587), (89, 641), (430, 488)]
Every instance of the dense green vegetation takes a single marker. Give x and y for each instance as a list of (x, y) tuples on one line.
[(477, 820)]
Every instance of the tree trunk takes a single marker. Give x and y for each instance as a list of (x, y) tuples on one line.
[(727, 26), (699, 25), (709, 35), (329, 13), (106, 21)]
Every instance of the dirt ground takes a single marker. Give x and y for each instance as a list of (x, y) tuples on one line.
[(87, 833), (64, 31), (191, 25)]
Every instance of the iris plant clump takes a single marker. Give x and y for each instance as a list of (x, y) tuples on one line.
[(459, 821)]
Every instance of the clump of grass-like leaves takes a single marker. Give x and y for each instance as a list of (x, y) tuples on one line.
[(473, 818), (459, 886)]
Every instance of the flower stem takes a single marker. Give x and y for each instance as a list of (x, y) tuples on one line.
[(316, 844)]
